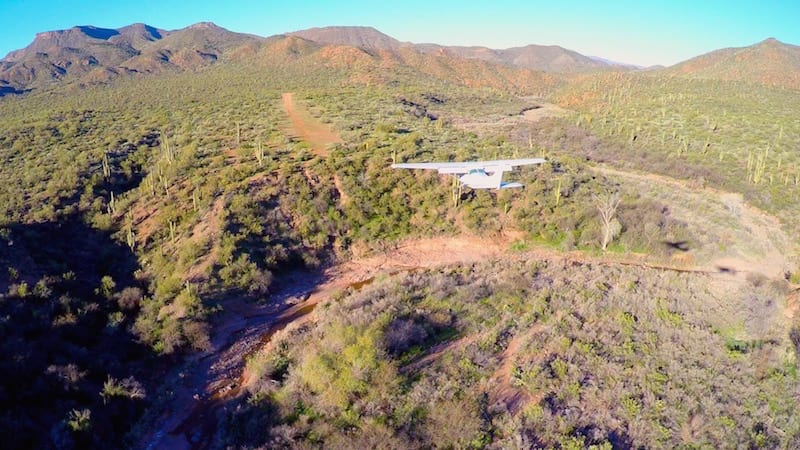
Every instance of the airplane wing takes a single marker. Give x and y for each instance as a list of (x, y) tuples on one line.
[(499, 165)]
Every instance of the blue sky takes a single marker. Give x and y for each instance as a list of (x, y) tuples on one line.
[(638, 32)]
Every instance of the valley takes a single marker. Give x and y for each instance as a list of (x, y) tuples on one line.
[(202, 245)]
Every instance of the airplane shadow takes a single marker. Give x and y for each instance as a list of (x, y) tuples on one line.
[(682, 246)]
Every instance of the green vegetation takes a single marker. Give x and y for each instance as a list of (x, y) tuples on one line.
[(197, 187), (132, 212), (737, 136), (544, 353), (69, 360)]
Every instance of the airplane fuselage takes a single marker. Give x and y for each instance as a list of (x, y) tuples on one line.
[(480, 179), (476, 174)]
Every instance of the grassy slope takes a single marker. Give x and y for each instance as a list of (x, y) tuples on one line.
[(735, 135)]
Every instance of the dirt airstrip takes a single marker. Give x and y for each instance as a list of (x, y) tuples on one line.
[(304, 127)]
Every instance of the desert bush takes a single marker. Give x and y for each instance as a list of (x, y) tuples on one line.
[(129, 298), (607, 358), (402, 334)]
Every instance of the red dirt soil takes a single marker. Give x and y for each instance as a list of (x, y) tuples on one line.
[(318, 135)]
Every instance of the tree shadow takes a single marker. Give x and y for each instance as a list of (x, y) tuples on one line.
[(66, 334), (10, 90), (51, 249)]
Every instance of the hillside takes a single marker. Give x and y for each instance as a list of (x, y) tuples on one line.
[(769, 62), (362, 37), (694, 129), (551, 58), (89, 54), (206, 248), (534, 57), (521, 354)]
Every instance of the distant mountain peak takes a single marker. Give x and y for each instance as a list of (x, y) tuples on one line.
[(142, 29), (91, 54), (769, 62), (611, 62), (343, 28), (138, 26), (356, 36), (548, 58), (205, 26), (774, 43)]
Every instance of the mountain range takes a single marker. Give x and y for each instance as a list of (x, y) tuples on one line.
[(202, 244), (535, 57), (89, 54), (93, 54)]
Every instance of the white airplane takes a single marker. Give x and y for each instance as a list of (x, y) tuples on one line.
[(476, 174)]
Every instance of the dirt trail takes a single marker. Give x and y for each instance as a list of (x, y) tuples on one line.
[(305, 127), (337, 183), (208, 228), (318, 135), (207, 382), (436, 352), (503, 391)]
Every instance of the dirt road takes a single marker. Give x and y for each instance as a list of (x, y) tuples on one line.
[(305, 127), (318, 135)]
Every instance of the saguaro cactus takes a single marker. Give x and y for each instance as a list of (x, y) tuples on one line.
[(259, 153), (130, 235), (106, 167)]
